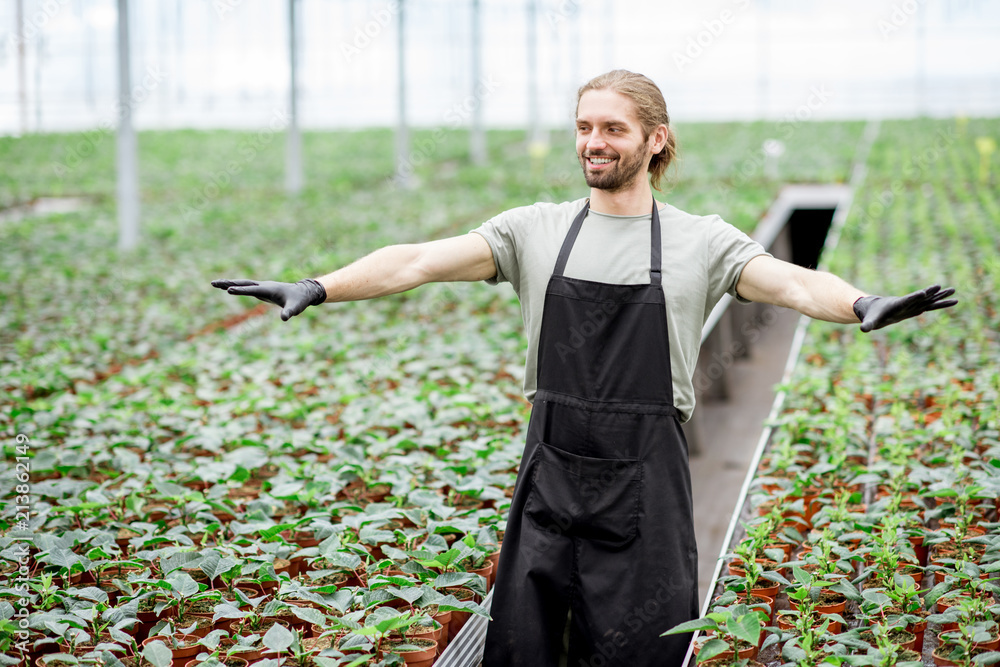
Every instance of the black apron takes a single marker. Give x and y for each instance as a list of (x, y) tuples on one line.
[(601, 522)]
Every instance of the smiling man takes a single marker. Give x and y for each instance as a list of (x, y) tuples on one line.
[(614, 292)]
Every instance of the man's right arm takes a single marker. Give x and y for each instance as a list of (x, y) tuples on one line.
[(389, 270), (399, 268)]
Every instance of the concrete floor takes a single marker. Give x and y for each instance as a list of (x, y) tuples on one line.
[(729, 431)]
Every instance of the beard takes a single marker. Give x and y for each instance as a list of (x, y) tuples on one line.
[(619, 175)]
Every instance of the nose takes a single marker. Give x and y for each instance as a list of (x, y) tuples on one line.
[(596, 141)]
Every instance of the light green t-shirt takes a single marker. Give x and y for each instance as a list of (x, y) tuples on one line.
[(703, 257)]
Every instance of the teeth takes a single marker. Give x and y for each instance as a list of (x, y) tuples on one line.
[(600, 160)]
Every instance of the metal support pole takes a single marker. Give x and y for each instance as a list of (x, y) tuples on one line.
[(88, 64), (921, 61), (22, 75), (403, 168), (536, 134), (39, 58), (763, 56), (128, 163), (293, 146), (477, 137)]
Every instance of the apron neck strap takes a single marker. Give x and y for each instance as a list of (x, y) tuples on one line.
[(655, 275)]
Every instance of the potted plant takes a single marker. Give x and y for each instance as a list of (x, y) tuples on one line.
[(733, 631)]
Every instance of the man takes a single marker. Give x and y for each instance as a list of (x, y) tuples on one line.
[(614, 292)]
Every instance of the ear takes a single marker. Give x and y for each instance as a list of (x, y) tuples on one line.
[(658, 139)]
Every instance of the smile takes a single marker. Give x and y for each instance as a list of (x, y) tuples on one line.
[(599, 161)]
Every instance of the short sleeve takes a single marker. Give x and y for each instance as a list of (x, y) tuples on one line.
[(501, 233), (729, 251)]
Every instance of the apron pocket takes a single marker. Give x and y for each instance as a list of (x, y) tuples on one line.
[(584, 497)]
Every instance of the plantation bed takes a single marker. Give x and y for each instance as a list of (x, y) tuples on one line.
[(885, 447)]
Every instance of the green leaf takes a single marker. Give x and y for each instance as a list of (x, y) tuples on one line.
[(309, 614), (711, 649), (268, 534), (451, 579), (411, 594), (278, 638), (695, 625), (214, 565), (746, 627), (932, 595), (183, 584), (158, 654), (226, 610)]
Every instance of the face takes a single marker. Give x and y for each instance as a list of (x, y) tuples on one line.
[(609, 141)]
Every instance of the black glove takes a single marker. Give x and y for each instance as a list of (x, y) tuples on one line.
[(876, 312), (292, 297)]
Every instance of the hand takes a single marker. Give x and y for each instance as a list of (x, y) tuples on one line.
[(292, 297), (876, 312)]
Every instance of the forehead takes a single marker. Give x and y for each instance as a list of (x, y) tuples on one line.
[(605, 106)]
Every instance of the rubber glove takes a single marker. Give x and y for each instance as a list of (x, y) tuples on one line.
[(292, 297), (876, 312)]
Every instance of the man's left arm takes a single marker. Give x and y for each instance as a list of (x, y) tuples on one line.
[(824, 296)]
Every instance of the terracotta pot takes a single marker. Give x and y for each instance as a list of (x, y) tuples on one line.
[(942, 605), (486, 571), (181, 655), (228, 662), (249, 656), (991, 645), (444, 618), (458, 618), (736, 566), (834, 628), (786, 547), (744, 653), (495, 559), (939, 660), (768, 602), (434, 634), (918, 630), (767, 591), (424, 656), (832, 608)]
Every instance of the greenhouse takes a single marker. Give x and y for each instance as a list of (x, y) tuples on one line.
[(385, 459)]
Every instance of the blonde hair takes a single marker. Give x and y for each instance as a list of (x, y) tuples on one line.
[(650, 107)]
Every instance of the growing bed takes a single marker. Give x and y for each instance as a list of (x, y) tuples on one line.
[(880, 481)]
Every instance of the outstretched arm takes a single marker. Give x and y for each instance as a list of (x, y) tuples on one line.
[(824, 296), (389, 270), (399, 268)]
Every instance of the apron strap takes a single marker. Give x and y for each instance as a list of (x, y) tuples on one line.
[(655, 251), (574, 231)]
